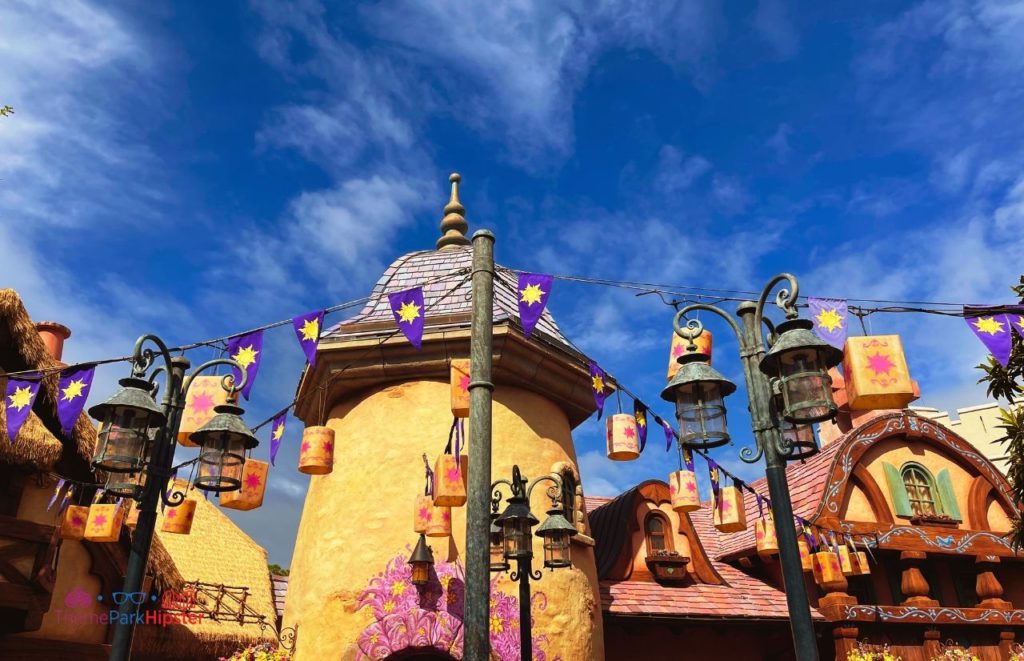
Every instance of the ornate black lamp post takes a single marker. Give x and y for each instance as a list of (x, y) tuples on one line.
[(789, 388), (136, 446), (511, 539)]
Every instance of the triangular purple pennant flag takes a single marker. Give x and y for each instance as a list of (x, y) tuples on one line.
[(18, 400), (599, 386), (247, 351), (407, 306), (277, 434), (688, 459), (640, 415), (994, 331), (307, 329), (670, 436), (831, 319), (534, 290), (713, 473), (72, 391), (167, 492)]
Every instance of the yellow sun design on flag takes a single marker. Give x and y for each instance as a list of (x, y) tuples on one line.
[(989, 325), (408, 312), (532, 294), (830, 319), (74, 389), (20, 398), (598, 383), (278, 432), (245, 356), (310, 329)]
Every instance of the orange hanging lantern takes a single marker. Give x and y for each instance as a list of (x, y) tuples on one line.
[(450, 480), (876, 374), (623, 438), (861, 563), (827, 571), (316, 454), (460, 387), (682, 486), (730, 513), (104, 522), (72, 524), (132, 518), (431, 520), (178, 519), (253, 477), (205, 393), (679, 349), (764, 535), (805, 554)]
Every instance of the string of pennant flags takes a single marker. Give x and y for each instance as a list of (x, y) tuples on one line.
[(993, 325)]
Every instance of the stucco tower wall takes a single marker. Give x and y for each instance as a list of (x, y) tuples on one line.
[(360, 516)]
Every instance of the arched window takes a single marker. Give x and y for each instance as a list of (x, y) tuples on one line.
[(659, 533), (569, 495), (921, 490)]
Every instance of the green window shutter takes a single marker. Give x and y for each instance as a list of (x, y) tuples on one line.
[(947, 494), (898, 492)]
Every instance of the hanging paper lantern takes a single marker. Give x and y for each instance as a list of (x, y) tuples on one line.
[(730, 514), (623, 438), (861, 563), (316, 454), (132, 518), (253, 477), (846, 560), (104, 522), (826, 569), (431, 520), (460, 387), (764, 535), (805, 554), (876, 374), (178, 519), (450, 480), (72, 524), (679, 348), (205, 393), (682, 486)]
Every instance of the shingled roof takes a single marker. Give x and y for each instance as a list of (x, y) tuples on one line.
[(444, 276)]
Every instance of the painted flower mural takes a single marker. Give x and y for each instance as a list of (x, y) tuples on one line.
[(431, 617)]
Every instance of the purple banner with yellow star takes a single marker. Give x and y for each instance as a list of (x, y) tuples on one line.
[(640, 415), (276, 434), (534, 290), (670, 435), (713, 474), (688, 459), (18, 400), (72, 391), (247, 351), (307, 330), (831, 316), (994, 331), (407, 306), (598, 384)]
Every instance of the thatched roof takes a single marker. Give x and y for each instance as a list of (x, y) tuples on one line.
[(218, 552), (41, 444)]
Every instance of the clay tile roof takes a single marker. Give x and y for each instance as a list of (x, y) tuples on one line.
[(591, 503), (806, 488), (742, 596), (416, 268)]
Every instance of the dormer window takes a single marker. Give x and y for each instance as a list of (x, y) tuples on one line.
[(657, 529), (921, 497)]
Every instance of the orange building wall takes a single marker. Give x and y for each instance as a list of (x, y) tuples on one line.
[(73, 566), (360, 516), (632, 639)]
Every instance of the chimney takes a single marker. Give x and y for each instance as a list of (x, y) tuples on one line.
[(53, 335)]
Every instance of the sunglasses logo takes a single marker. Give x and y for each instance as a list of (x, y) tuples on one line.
[(136, 598)]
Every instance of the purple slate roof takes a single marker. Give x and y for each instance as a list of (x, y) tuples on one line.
[(416, 268)]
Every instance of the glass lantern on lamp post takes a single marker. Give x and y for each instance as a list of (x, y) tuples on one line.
[(788, 388), (223, 442), (421, 561)]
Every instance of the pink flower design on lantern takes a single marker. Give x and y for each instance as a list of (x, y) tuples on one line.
[(629, 433), (252, 481), (453, 474), (99, 520), (305, 446), (77, 520), (171, 513)]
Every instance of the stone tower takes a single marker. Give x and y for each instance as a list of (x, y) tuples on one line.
[(388, 405)]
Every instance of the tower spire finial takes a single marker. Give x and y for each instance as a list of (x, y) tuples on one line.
[(453, 225)]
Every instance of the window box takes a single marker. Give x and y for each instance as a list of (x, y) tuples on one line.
[(667, 565), (943, 520)]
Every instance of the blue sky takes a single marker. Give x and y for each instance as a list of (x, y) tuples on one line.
[(199, 170)]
